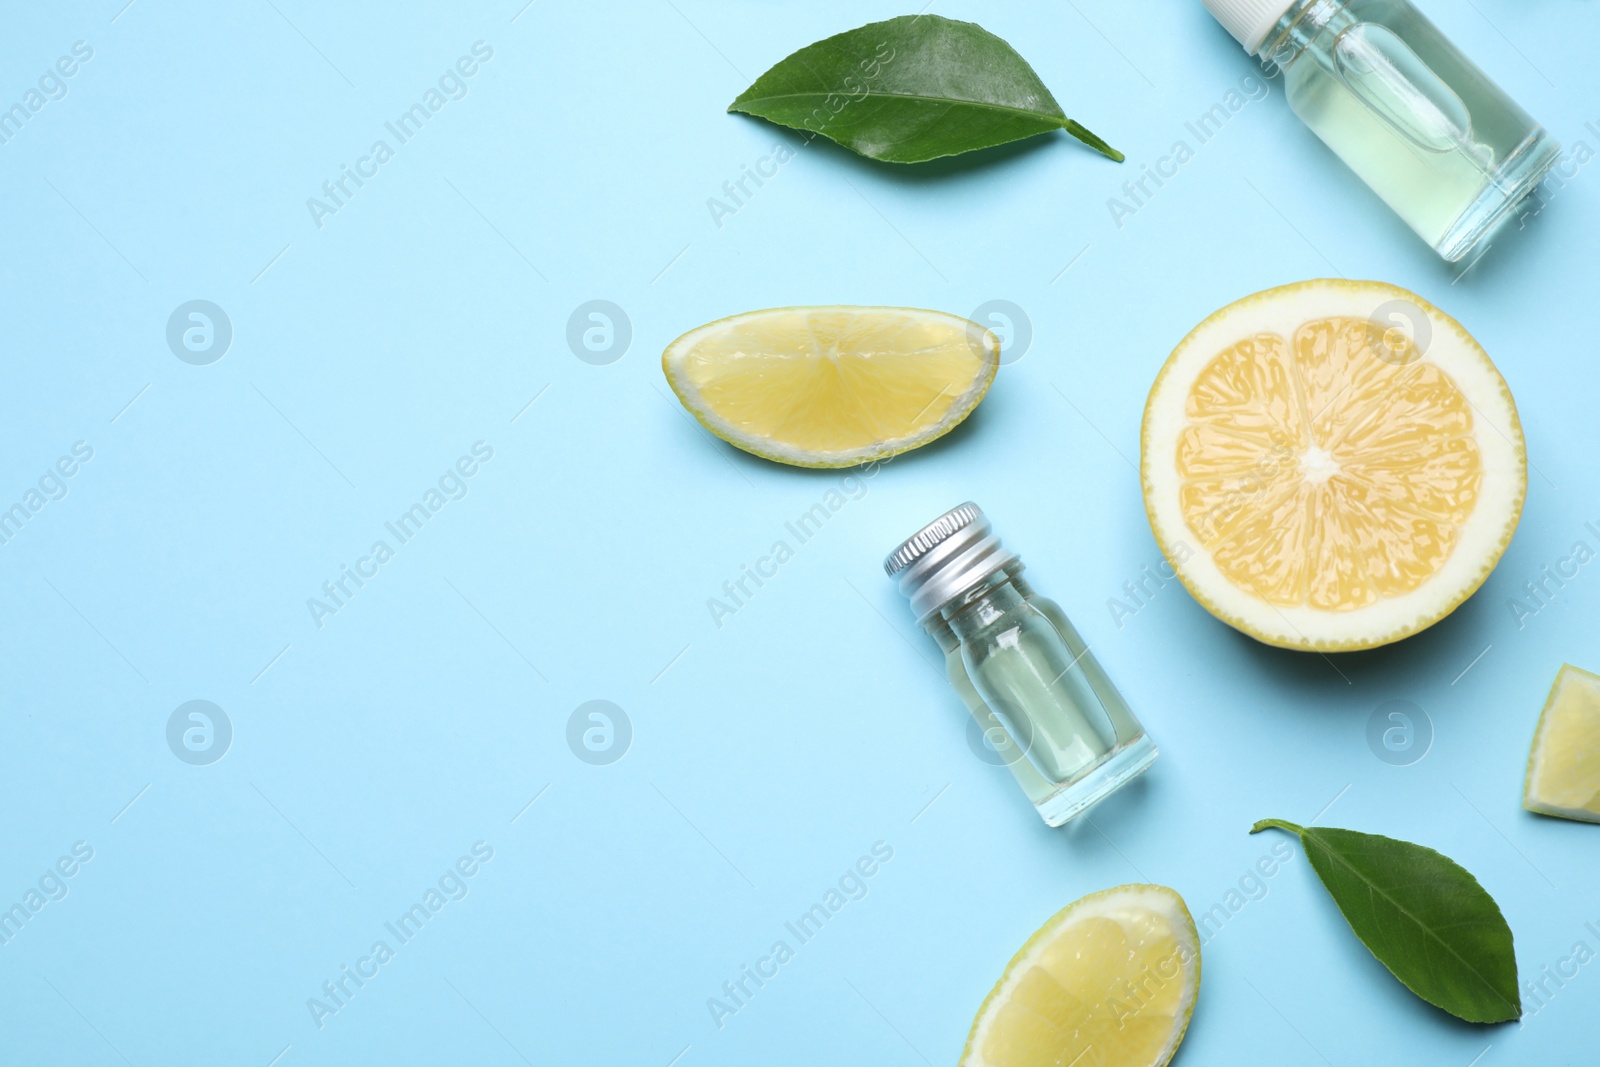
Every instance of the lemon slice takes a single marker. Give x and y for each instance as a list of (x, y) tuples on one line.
[(1109, 981), (1332, 465), (832, 386), (1564, 764)]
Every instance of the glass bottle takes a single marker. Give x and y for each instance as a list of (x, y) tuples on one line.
[(1444, 146), (1040, 702)]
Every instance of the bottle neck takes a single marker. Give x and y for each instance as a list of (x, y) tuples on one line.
[(937, 623), (983, 606), (1300, 25)]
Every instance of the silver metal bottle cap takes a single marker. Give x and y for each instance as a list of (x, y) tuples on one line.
[(946, 558)]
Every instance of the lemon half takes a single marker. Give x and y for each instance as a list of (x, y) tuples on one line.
[(832, 386), (1109, 981), (1564, 763), (1332, 465)]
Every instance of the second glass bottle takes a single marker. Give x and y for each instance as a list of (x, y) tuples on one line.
[(1428, 131), (1044, 706)]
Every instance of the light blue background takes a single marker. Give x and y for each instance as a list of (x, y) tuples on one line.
[(771, 752)]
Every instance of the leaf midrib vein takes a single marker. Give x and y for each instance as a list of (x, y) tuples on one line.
[(1373, 887), (1057, 120)]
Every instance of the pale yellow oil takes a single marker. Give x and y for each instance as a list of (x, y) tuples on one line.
[(1043, 705)]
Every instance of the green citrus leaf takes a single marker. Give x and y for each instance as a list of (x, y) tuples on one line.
[(911, 89), (1423, 916)]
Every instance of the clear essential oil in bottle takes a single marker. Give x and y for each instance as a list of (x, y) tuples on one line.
[(1045, 707), (1444, 147)]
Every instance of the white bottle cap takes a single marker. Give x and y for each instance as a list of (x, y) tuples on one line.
[(1248, 20)]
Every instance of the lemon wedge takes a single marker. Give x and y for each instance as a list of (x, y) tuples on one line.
[(832, 386), (1109, 981), (1332, 465), (1564, 764)]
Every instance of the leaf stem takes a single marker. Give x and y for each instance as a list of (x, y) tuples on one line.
[(1277, 824), (1088, 138)]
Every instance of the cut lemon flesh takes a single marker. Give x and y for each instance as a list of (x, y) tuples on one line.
[(1564, 764), (832, 386), (1109, 981), (1332, 465)]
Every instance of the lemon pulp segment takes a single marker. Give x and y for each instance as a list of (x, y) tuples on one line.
[(1326, 468)]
